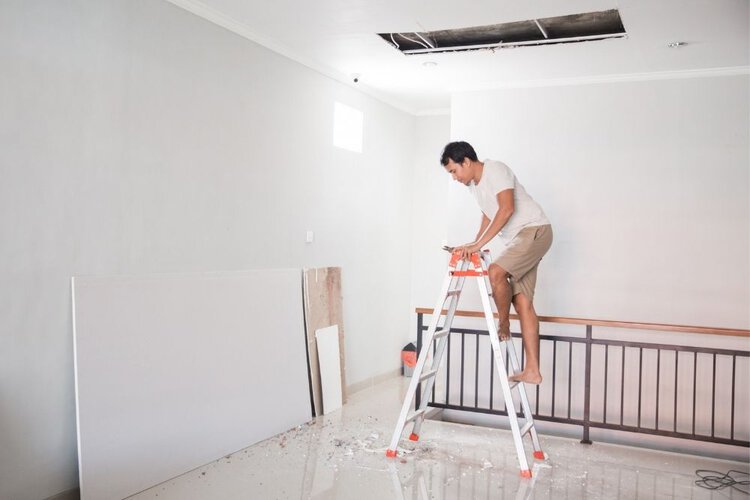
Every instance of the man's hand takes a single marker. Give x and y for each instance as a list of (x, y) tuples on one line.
[(468, 249)]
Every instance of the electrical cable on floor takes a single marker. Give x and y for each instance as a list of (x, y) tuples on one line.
[(713, 480)]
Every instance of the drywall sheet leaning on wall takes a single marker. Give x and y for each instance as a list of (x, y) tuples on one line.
[(323, 308), (329, 359), (174, 371)]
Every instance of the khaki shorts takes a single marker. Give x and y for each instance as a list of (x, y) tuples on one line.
[(522, 256)]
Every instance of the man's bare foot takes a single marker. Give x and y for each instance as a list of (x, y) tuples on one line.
[(527, 377), (503, 331)]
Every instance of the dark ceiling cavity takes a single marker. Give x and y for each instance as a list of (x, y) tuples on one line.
[(551, 30)]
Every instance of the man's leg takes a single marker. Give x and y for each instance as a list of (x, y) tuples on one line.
[(522, 258), (501, 292), (530, 334)]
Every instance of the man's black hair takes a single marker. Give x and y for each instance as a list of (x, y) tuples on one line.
[(457, 151)]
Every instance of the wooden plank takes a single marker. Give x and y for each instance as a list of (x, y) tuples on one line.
[(707, 330), (323, 307)]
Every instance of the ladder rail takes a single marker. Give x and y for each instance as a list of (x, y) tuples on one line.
[(448, 322), (423, 355), (437, 359), (516, 367), (457, 285), (502, 371), (526, 407)]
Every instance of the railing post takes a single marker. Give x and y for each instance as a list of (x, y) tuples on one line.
[(587, 389), (418, 394)]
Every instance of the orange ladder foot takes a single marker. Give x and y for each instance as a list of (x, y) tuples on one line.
[(540, 455), (390, 453), (525, 473), (414, 437)]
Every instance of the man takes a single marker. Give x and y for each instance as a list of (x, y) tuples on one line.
[(512, 215)]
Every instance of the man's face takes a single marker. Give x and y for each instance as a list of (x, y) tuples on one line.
[(459, 171)]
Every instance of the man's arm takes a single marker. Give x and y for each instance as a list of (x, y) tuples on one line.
[(506, 207), (482, 226)]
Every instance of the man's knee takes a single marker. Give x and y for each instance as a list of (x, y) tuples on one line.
[(497, 274), (522, 304)]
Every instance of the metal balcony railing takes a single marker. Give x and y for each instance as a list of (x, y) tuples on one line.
[(679, 391)]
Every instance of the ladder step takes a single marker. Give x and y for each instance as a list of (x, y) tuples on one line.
[(441, 333), (452, 293), (427, 375), (415, 415), (526, 428), (513, 385)]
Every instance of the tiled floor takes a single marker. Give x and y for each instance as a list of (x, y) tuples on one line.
[(342, 456)]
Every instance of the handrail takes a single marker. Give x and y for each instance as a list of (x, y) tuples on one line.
[(735, 332), (624, 352)]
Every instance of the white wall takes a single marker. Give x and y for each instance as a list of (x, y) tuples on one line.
[(646, 184), (138, 138), (430, 211)]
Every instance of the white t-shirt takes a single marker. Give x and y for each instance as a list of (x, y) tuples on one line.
[(497, 177)]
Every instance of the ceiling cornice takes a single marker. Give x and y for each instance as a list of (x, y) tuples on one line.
[(592, 80), (434, 112)]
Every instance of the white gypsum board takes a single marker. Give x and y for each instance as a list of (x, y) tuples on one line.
[(174, 371), (330, 367)]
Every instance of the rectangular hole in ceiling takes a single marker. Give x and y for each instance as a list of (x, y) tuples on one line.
[(551, 30)]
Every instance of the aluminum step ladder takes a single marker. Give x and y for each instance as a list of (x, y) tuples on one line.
[(459, 269)]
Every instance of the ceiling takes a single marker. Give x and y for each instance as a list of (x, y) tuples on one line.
[(339, 38)]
